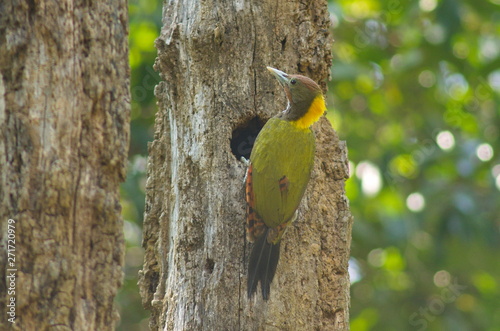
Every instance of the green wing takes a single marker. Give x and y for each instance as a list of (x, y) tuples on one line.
[(282, 160)]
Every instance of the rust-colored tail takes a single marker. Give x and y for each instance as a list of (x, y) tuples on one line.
[(255, 225)]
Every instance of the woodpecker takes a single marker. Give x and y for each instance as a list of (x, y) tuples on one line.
[(279, 169)]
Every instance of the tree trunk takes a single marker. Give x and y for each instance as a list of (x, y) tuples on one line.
[(215, 96), (64, 114)]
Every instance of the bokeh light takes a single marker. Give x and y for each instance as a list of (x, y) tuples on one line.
[(415, 202), (427, 78), (377, 257), (494, 80), (445, 140), (354, 271), (484, 152), (371, 180), (427, 5), (442, 278)]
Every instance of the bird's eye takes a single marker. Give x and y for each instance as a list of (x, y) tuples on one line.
[(293, 81)]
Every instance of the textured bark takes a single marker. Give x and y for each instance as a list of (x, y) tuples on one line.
[(213, 59), (64, 113)]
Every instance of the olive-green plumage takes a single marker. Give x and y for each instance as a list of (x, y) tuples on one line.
[(281, 150), (280, 167)]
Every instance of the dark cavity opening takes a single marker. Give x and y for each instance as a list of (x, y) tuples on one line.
[(283, 45), (244, 137), (209, 265)]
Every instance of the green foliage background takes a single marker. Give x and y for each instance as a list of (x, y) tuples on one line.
[(415, 92)]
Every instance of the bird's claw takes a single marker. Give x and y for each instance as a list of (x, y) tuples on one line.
[(245, 161)]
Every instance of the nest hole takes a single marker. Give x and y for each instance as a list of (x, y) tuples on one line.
[(244, 137)]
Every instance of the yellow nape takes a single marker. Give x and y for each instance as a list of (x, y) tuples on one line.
[(313, 114)]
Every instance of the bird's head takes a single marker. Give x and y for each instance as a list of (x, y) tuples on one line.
[(306, 103)]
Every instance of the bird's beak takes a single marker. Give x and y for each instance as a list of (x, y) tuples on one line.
[(281, 76)]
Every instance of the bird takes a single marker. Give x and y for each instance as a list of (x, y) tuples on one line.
[(278, 172)]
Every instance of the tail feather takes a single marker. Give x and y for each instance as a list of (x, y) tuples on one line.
[(262, 265)]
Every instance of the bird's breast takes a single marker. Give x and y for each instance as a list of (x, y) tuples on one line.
[(282, 160)]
